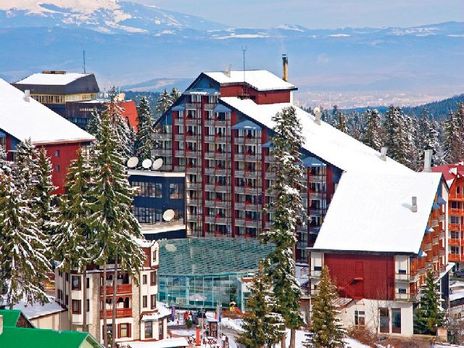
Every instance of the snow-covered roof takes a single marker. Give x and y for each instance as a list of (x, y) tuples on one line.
[(261, 80), (323, 140), (37, 310), (51, 79), (374, 210), (162, 311), (30, 119)]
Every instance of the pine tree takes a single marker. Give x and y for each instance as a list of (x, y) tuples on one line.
[(144, 143), (454, 136), (373, 134), (26, 168), (429, 315), (22, 246), (326, 327), (427, 138), (123, 131), (93, 127), (114, 224), (396, 135), (164, 102), (44, 204), (74, 243), (288, 213), (174, 95), (262, 325), (341, 124)]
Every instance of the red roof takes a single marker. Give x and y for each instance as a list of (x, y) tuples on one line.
[(450, 171), (129, 110)]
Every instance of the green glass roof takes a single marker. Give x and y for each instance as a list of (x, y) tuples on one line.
[(10, 317), (210, 256), (40, 338)]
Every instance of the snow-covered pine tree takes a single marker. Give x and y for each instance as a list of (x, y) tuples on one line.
[(427, 137), (288, 213), (326, 327), (341, 122), (124, 132), (93, 127), (373, 133), (44, 203), (22, 246), (163, 103), (174, 95), (144, 141), (454, 136), (414, 160), (262, 325), (74, 243), (26, 168), (396, 135), (429, 315), (115, 227)]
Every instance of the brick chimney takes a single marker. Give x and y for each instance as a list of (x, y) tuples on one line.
[(284, 67)]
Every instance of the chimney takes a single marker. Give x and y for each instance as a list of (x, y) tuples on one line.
[(27, 95), (227, 71), (383, 153), (414, 204), (284, 67), (317, 114), (428, 160), (1, 324)]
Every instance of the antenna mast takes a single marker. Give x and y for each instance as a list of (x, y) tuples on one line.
[(244, 49), (83, 60)]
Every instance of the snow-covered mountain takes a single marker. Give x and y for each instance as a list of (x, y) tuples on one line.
[(127, 43), (106, 16)]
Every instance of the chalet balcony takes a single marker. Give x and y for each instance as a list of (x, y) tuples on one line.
[(179, 121), (404, 297), (120, 289), (163, 136), (217, 188), (455, 257), (456, 211), (270, 175), (215, 122), (120, 313), (455, 242), (405, 277)]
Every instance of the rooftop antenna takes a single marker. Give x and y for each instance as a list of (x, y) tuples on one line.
[(83, 59), (244, 49)]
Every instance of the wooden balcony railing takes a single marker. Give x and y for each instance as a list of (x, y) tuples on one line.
[(120, 289), (120, 313)]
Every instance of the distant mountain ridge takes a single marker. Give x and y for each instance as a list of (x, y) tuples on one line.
[(438, 109), (126, 43)]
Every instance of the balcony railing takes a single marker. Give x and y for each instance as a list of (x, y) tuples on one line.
[(120, 313), (120, 289)]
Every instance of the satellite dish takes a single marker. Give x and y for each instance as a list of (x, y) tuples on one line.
[(157, 164), (168, 215), (132, 162), (146, 163)]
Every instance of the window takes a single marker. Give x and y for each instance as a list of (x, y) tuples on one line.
[(454, 250), (160, 329), (144, 279), (144, 301), (149, 189), (148, 329), (57, 168), (153, 278), (153, 256), (153, 301), (396, 320), (384, 320), (124, 330), (401, 290), (454, 219), (87, 306), (75, 282), (87, 283), (57, 153), (66, 300), (76, 306), (176, 191), (359, 318)]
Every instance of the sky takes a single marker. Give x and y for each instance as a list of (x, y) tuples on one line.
[(319, 14)]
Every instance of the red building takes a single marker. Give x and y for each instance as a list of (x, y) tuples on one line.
[(219, 133), (23, 118), (454, 176), (381, 234)]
